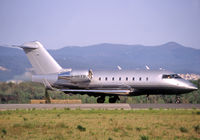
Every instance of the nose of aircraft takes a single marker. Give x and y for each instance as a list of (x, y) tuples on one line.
[(192, 87), (187, 85)]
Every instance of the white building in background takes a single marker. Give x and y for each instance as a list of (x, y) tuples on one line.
[(190, 76)]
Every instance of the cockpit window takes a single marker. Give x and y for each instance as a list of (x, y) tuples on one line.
[(171, 76)]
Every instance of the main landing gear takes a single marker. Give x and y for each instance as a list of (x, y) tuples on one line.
[(47, 96), (101, 99), (113, 99)]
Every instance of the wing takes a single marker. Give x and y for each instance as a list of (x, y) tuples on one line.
[(113, 92)]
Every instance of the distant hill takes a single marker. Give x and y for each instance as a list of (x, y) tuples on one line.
[(171, 56)]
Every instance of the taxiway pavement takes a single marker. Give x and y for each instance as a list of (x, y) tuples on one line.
[(99, 106)]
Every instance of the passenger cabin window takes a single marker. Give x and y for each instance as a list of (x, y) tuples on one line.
[(147, 78), (106, 78), (126, 78), (133, 78), (140, 78), (113, 78), (120, 78), (99, 78), (171, 76)]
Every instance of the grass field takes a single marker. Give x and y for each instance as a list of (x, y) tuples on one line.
[(100, 124)]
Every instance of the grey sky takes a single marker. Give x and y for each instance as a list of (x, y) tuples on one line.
[(59, 23)]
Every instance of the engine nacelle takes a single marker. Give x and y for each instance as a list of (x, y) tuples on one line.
[(76, 76)]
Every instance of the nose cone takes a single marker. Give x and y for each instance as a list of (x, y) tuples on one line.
[(187, 85), (191, 87)]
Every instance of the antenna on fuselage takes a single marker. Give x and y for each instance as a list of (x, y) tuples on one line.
[(161, 69), (147, 67), (119, 68)]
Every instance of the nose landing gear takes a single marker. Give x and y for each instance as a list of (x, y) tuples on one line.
[(101, 99), (178, 100)]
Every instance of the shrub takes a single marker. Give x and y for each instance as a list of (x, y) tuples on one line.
[(4, 131), (183, 129), (144, 137), (198, 112), (197, 128), (25, 119), (138, 128), (81, 128)]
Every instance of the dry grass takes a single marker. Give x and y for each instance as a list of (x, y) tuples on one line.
[(99, 124)]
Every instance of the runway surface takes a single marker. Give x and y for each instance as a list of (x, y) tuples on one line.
[(99, 106)]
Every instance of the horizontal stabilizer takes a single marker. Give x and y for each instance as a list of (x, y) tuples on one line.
[(120, 92), (28, 47)]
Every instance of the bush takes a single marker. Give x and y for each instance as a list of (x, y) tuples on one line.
[(138, 128), (198, 112), (81, 128), (183, 129), (25, 119), (197, 128), (144, 137), (4, 131)]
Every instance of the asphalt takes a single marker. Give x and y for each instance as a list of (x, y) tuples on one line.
[(99, 106)]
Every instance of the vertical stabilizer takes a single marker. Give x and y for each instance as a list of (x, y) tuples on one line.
[(40, 59)]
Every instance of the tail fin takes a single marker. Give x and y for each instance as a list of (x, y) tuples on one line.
[(40, 59)]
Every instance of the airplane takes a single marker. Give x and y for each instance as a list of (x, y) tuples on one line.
[(102, 83)]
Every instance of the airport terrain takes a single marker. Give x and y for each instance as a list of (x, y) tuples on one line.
[(100, 124), (99, 106)]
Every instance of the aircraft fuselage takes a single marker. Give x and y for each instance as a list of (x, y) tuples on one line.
[(136, 82)]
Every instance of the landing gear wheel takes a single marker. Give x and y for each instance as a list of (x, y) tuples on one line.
[(113, 99), (100, 100), (177, 100)]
